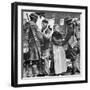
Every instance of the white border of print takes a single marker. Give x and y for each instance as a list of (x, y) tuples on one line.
[(82, 48)]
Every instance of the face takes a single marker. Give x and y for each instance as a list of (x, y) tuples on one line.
[(44, 24), (57, 28), (34, 20)]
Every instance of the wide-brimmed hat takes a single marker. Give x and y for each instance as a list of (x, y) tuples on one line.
[(68, 19), (33, 15), (41, 13), (45, 21)]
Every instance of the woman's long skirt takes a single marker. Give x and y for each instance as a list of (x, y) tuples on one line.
[(59, 59)]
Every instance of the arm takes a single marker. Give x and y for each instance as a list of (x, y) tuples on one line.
[(48, 34), (58, 42), (68, 36)]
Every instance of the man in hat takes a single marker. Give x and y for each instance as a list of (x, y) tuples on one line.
[(34, 44), (71, 41), (45, 48), (69, 28)]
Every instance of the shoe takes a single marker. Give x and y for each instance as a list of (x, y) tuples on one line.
[(40, 75)]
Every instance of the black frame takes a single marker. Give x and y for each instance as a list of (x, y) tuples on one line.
[(14, 43)]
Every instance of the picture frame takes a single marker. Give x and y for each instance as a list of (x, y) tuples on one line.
[(18, 9)]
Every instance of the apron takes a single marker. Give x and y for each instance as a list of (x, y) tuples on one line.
[(59, 59)]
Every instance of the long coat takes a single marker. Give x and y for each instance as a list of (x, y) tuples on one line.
[(34, 42)]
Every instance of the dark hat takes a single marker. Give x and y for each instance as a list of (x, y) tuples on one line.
[(33, 15), (68, 19), (41, 13), (45, 21)]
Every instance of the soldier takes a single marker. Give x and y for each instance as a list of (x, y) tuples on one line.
[(34, 45)]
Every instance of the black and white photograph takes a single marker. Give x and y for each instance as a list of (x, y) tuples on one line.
[(50, 44)]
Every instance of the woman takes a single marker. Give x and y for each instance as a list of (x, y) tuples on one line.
[(58, 51)]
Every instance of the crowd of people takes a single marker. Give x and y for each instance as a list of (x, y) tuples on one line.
[(50, 51)]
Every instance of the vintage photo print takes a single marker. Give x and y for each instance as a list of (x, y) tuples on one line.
[(51, 44)]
